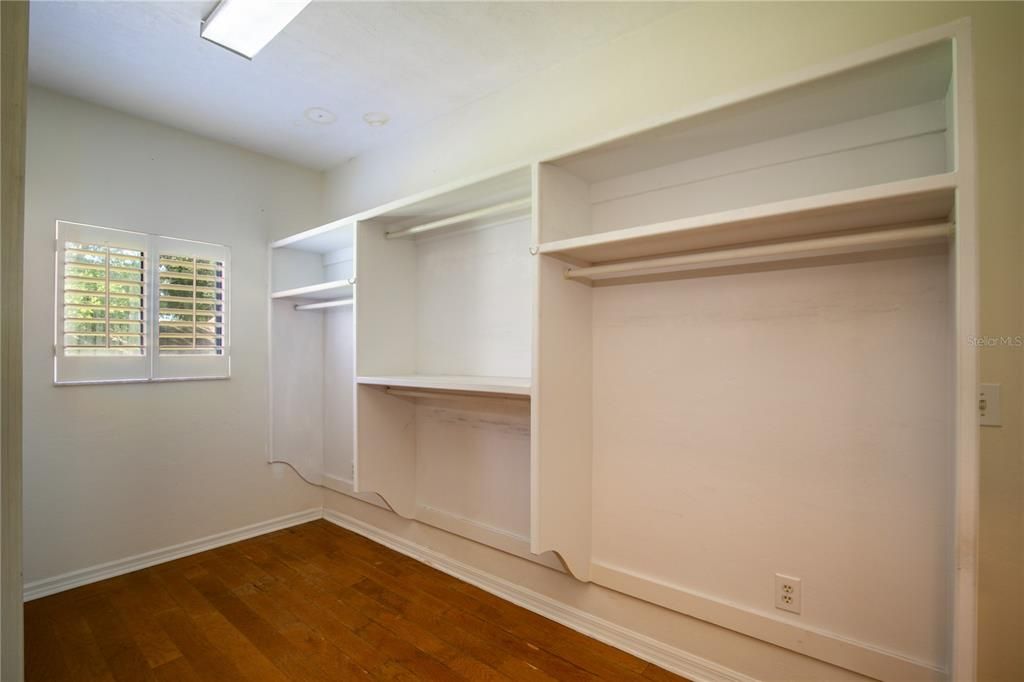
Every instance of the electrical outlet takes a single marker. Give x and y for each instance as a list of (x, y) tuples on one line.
[(989, 405), (787, 593)]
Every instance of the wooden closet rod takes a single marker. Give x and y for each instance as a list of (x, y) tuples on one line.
[(325, 304), (506, 207), (764, 253)]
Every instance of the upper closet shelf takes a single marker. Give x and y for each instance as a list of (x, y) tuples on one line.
[(341, 288), (928, 199), (339, 234), (507, 386)]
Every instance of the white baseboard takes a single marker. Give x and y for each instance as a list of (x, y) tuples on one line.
[(84, 576), (663, 655)]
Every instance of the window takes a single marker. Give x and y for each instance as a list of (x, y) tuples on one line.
[(139, 307)]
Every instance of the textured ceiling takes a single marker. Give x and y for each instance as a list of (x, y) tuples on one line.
[(415, 61)]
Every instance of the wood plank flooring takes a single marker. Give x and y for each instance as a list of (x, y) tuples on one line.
[(314, 602)]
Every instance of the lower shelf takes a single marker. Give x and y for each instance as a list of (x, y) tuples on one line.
[(511, 386)]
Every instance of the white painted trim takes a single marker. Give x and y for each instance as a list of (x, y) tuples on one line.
[(663, 655), (868, 659), (964, 635), (92, 574)]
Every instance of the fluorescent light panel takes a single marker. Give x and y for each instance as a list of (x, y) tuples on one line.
[(246, 26)]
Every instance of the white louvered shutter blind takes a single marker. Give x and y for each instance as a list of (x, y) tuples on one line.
[(133, 307), (191, 333), (102, 311)]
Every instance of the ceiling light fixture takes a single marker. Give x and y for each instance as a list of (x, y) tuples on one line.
[(320, 115), (376, 118), (246, 26)]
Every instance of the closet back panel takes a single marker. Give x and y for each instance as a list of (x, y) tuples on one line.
[(291, 269), (297, 393), (339, 392), (473, 461), (385, 303), (794, 421), (826, 161), (473, 312)]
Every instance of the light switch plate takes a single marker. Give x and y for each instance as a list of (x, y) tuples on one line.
[(989, 406)]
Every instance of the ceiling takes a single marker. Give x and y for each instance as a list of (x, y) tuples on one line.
[(414, 61)]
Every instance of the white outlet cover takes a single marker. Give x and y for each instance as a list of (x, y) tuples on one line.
[(788, 593), (989, 405)]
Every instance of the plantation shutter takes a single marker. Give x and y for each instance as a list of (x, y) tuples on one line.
[(137, 307), (191, 332), (102, 304)]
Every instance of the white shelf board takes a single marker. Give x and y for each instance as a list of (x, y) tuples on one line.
[(892, 204), (462, 384), (324, 291), (339, 234)]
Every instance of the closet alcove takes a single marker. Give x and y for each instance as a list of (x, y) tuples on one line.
[(753, 313)]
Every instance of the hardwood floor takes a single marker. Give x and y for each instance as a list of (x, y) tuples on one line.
[(314, 602)]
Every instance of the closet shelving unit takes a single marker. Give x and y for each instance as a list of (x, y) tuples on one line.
[(444, 359), (778, 284), (312, 354), (434, 346), (755, 312)]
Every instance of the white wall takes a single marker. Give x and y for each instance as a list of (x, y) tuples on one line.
[(114, 471), (794, 421), (709, 49)]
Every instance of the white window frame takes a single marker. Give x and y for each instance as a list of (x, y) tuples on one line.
[(151, 366)]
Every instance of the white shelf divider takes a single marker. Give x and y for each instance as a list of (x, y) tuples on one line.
[(323, 239)]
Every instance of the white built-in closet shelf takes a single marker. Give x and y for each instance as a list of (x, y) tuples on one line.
[(914, 201), (341, 288), (333, 236), (463, 384)]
